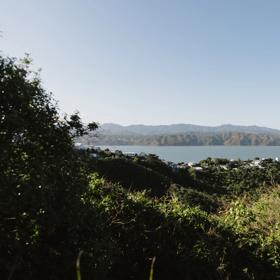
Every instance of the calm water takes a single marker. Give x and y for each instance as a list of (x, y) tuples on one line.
[(197, 153)]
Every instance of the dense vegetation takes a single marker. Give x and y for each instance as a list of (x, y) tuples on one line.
[(118, 212)]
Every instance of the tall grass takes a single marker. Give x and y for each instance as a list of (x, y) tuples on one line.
[(152, 268), (78, 270)]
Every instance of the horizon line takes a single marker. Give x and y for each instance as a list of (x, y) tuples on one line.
[(194, 124)]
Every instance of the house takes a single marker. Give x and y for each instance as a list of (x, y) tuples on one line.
[(198, 168), (130, 154), (78, 145), (224, 167)]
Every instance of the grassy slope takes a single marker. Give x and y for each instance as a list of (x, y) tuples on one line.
[(236, 238), (187, 242)]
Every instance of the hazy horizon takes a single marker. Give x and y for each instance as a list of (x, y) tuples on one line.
[(185, 123), (153, 61)]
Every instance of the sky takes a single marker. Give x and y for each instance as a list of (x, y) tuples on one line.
[(153, 61)]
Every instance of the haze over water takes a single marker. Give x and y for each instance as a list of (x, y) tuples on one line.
[(197, 153)]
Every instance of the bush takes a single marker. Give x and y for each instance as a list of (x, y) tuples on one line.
[(258, 222), (42, 178), (183, 239), (132, 175)]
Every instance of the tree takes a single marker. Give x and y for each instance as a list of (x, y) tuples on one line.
[(42, 176)]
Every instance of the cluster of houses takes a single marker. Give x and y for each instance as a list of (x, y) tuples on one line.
[(97, 152), (183, 165), (231, 164)]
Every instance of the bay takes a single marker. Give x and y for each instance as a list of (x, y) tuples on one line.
[(197, 153)]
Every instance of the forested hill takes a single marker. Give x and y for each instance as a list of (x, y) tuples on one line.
[(183, 135), (140, 129)]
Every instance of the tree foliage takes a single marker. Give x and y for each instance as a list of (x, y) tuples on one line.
[(41, 175)]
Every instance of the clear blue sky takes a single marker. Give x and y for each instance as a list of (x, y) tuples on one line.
[(153, 61)]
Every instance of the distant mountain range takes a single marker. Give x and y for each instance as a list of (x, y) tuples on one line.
[(183, 135), (111, 128)]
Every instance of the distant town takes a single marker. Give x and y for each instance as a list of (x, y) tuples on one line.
[(222, 163)]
